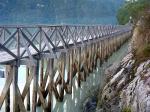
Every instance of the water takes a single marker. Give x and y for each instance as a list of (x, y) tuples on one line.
[(74, 102), (59, 11)]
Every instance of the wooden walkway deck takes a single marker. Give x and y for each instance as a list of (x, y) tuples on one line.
[(50, 38)]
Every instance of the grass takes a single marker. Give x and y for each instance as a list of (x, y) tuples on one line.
[(126, 109), (142, 54)]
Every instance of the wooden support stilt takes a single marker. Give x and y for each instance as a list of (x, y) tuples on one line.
[(95, 56), (51, 76), (41, 72), (78, 68), (102, 51), (28, 94), (15, 94), (107, 49), (7, 99), (71, 70), (41, 80), (35, 86), (62, 77)]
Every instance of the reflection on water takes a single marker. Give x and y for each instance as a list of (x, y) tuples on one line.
[(73, 102)]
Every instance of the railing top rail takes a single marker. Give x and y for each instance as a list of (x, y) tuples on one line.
[(59, 25)]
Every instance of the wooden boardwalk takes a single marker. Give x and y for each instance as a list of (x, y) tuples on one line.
[(52, 52), (50, 39)]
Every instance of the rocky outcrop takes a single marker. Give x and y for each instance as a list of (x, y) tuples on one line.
[(111, 70), (126, 87), (137, 94)]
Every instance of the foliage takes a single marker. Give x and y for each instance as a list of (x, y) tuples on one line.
[(126, 109), (143, 53), (141, 40), (132, 9)]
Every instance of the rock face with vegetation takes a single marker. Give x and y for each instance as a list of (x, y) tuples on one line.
[(127, 87), (136, 95)]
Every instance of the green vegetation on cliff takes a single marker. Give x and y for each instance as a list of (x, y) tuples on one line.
[(141, 39), (132, 9)]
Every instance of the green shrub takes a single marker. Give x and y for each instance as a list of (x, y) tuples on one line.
[(133, 9), (126, 109)]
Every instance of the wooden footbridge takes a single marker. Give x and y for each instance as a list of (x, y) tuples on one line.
[(69, 50)]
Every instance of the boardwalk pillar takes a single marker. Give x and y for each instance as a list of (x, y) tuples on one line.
[(41, 73), (51, 75), (7, 99), (42, 85), (35, 86), (78, 68), (70, 70), (15, 94), (28, 94)]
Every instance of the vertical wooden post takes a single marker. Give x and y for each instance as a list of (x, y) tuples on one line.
[(15, 94), (63, 61), (101, 52), (51, 75), (41, 72), (35, 83), (41, 80), (78, 70), (28, 94), (7, 99), (105, 49), (71, 70)]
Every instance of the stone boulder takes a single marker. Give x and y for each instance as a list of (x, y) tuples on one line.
[(111, 70)]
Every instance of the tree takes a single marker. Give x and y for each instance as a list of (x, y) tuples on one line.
[(132, 9)]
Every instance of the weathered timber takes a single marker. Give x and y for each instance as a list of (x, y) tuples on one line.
[(7, 99), (57, 54), (15, 85), (35, 87), (28, 94)]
